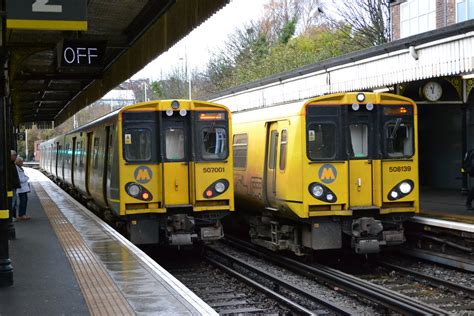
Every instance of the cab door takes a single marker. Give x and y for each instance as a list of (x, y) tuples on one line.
[(361, 154), (175, 144), (271, 163)]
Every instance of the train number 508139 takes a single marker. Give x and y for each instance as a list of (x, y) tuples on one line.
[(399, 169)]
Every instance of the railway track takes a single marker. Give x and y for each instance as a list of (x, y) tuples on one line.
[(390, 300), (286, 292), (227, 290), (445, 295)]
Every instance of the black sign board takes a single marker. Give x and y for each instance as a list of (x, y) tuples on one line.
[(47, 14), (83, 54)]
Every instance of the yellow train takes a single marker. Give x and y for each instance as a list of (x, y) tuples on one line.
[(312, 174), (160, 169)]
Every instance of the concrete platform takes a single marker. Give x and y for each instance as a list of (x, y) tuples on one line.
[(68, 262), (447, 205)]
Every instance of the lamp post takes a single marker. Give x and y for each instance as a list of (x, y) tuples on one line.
[(26, 144), (188, 75), (187, 72), (145, 88)]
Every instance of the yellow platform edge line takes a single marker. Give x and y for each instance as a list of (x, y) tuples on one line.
[(47, 25)]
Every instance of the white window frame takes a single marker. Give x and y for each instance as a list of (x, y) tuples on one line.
[(414, 17), (466, 13)]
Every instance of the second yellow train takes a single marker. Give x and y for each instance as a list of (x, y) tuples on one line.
[(312, 174)]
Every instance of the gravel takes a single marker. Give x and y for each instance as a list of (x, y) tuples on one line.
[(445, 273), (348, 301)]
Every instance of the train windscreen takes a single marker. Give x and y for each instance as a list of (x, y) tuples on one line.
[(212, 135)]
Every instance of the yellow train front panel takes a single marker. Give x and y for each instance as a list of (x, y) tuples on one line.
[(176, 162)]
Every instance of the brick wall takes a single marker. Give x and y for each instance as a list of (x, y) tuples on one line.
[(440, 14), (395, 22), (451, 8)]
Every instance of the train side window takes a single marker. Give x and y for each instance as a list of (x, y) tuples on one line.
[(79, 153), (239, 145), (174, 142), (214, 143), (95, 153), (322, 141), (359, 140), (68, 154), (273, 149), (283, 144), (137, 144), (399, 139)]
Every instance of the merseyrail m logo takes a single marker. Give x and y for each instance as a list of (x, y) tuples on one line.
[(143, 174), (327, 173)]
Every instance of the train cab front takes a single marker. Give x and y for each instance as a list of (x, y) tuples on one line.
[(363, 152), (187, 180)]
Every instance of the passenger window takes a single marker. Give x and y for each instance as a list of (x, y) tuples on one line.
[(174, 138), (399, 139), (322, 141), (95, 153), (214, 143), (137, 144), (359, 140), (273, 149), (68, 154), (283, 144), (240, 150), (79, 153)]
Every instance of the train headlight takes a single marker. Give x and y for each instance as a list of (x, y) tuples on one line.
[(401, 190), (138, 191), (133, 190), (360, 97), (175, 105), (216, 188), (322, 192), (317, 191), (219, 187), (405, 187)]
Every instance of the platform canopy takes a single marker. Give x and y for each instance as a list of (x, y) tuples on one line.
[(54, 74)]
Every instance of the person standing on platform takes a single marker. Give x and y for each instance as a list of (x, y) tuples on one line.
[(23, 190), (13, 183), (468, 167)]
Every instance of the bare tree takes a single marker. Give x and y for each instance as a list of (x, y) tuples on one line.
[(278, 13), (369, 19)]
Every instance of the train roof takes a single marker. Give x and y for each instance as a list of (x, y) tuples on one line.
[(282, 111), (160, 104), (274, 112)]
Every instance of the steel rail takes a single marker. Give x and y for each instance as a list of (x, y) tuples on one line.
[(433, 280), (278, 281), (295, 307), (390, 299)]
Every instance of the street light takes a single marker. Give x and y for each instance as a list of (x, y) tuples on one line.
[(186, 70), (145, 88)]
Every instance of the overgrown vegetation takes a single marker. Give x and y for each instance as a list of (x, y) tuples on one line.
[(291, 34)]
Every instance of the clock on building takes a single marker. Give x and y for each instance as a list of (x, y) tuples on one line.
[(432, 91)]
